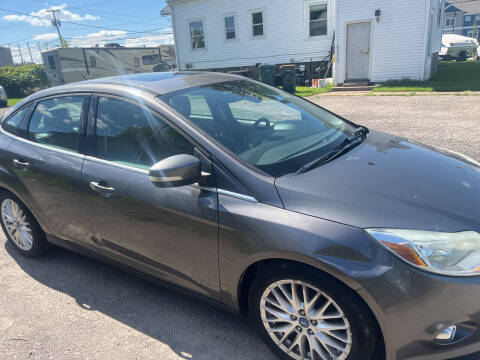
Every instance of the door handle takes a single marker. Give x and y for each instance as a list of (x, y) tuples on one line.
[(21, 164), (106, 191)]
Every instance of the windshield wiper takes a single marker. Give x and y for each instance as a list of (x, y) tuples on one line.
[(348, 144)]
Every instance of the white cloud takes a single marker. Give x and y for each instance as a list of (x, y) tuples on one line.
[(43, 17), (102, 34), (46, 36)]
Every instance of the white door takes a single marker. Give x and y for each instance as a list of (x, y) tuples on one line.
[(358, 51)]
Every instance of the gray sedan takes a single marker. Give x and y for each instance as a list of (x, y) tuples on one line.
[(338, 241)]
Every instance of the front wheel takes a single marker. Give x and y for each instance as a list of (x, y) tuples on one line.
[(305, 315)]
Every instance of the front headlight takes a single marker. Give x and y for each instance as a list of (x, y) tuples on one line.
[(444, 253)]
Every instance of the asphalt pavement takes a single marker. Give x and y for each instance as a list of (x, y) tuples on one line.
[(66, 306)]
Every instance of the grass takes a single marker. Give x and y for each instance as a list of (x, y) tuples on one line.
[(305, 91), (451, 76), (13, 101)]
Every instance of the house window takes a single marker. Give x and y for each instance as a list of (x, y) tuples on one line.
[(230, 27), (468, 18), (93, 61), (136, 61), (450, 22), (318, 20), (257, 22), (477, 17), (471, 34), (197, 35)]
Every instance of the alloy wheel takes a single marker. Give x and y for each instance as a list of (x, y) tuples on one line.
[(17, 225), (305, 322)]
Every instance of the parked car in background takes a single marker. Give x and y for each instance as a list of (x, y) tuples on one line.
[(3, 97), (458, 47), (337, 241)]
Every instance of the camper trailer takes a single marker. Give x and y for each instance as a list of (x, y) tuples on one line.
[(68, 65)]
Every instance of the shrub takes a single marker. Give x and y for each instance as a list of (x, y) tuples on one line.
[(23, 80)]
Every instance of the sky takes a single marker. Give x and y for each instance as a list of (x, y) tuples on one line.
[(83, 23)]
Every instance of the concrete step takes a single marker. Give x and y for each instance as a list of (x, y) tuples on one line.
[(356, 83), (353, 88)]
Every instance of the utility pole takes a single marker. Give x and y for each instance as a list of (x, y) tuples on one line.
[(39, 48), (57, 23), (30, 52), (20, 51)]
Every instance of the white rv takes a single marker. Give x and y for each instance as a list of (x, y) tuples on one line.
[(68, 65), (458, 47)]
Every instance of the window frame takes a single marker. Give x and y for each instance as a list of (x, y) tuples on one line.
[(264, 23), (452, 21), (235, 27), (204, 29), (469, 17), (307, 7), (91, 141)]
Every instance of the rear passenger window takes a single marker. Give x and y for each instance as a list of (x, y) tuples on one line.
[(131, 135), (13, 124), (57, 122)]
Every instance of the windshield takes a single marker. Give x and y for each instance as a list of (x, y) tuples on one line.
[(269, 129)]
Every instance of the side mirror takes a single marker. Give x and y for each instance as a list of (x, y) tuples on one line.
[(175, 171)]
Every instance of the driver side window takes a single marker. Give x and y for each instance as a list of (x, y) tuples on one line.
[(131, 135)]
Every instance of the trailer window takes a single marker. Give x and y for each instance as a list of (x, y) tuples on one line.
[(136, 61), (51, 62), (151, 59), (93, 61)]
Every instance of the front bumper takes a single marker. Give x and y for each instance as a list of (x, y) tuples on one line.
[(413, 306)]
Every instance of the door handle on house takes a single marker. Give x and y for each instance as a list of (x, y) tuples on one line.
[(21, 164), (106, 191)]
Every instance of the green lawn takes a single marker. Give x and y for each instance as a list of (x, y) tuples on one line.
[(305, 91), (451, 76), (13, 101)]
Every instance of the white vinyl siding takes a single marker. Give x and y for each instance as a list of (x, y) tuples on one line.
[(284, 28), (398, 43)]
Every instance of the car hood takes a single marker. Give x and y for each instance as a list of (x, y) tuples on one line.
[(389, 181)]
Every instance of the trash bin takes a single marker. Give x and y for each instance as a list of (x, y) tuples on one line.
[(267, 74), (288, 77)]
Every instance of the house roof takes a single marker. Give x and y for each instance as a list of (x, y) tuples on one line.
[(469, 6), (166, 11)]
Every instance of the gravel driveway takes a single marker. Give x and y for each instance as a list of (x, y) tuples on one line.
[(66, 306)]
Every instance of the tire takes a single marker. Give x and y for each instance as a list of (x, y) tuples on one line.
[(25, 234), (359, 332)]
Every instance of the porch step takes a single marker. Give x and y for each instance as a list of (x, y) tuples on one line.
[(354, 88), (356, 83)]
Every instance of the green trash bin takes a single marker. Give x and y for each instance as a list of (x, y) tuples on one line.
[(288, 78), (267, 74)]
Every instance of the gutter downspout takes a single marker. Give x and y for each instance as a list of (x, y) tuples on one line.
[(427, 35), (175, 39)]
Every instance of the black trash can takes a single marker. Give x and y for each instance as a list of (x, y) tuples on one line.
[(288, 78), (267, 74)]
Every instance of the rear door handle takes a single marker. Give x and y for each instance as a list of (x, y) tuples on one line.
[(21, 164), (106, 191)]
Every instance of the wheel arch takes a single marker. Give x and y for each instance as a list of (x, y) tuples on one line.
[(257, 267)]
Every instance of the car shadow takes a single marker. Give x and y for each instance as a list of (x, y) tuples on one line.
[(191, 328)]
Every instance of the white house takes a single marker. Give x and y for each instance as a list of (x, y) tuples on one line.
[(375, 40)]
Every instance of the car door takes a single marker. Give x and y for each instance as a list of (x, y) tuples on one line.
[(171, 233), (48, 164)]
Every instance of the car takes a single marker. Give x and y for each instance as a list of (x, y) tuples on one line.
[(338, 241), (3, 97)]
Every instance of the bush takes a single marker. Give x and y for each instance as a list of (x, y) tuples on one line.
[(23, 80)]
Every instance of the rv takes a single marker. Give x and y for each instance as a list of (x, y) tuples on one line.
[(458, 47), (68, 65)]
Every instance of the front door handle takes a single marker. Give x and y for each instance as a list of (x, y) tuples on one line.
[(21, 164), (106, 191)]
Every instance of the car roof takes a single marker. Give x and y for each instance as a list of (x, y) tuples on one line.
[(154, 83)]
